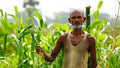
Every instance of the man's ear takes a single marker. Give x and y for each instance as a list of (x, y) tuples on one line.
[(69, 20), (84, 18)]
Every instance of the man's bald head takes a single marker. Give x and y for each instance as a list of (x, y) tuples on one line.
[(76, 11)]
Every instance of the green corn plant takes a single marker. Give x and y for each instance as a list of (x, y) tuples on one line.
[(105, 45), (20, 41), (5, 35), (5, 30)]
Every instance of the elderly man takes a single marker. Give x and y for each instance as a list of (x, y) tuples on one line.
[(76, 44)]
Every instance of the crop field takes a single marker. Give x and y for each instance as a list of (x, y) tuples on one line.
[(18, 41)]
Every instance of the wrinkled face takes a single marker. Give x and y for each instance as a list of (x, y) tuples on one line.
[(76, 19)]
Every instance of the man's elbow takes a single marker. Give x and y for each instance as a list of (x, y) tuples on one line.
[(50, 59)]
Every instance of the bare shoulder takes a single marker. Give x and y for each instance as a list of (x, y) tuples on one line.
[(64, 36), (91, 41), (61, 39), (90, 38)]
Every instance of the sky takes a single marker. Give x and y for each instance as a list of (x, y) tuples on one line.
[(49, 7)]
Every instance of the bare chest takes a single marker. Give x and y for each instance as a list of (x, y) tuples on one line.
[(75, 40)]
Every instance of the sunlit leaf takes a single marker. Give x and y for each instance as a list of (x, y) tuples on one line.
[(99, 4), (37, 14), (16, 10)]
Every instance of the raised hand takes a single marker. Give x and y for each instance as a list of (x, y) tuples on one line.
[(39, 50)]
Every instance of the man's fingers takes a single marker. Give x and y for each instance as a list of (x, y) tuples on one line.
[(38, 49)]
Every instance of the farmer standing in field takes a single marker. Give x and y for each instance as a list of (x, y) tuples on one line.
[(76, 44)]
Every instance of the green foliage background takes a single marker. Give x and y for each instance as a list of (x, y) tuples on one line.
[(18, 41)]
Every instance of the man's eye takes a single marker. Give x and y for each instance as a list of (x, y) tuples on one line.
[(73, 17), (79, 17)]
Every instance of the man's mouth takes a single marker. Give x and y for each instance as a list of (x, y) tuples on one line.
[(77, 25)]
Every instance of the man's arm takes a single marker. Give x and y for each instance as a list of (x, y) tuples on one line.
[(92, 50), (55, 51)]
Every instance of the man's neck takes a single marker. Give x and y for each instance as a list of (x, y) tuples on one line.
[(77, 31)]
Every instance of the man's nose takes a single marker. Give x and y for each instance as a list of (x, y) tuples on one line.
[(76, 19)]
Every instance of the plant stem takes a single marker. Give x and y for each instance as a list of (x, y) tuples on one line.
[(87, 17), (5, 41)]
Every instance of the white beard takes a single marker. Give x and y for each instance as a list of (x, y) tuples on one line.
[(74, 26), (79, 26)]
